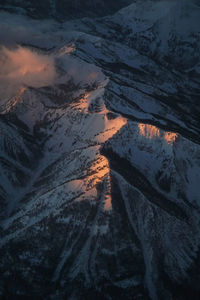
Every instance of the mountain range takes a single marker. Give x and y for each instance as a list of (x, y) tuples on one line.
[(100, 163)]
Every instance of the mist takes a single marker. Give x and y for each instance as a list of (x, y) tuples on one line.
[(21, 67)]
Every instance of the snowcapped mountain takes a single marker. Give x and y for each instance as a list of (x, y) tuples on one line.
[(100, 164)]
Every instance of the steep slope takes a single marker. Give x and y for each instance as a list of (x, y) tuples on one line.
[(18, 153), (109, 205)]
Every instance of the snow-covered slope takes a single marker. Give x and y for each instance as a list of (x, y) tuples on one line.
[(100, 171), (167, 30)]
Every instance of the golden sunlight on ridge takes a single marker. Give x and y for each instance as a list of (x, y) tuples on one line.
[(102, 130), (12, 102), (17, 98), (97, 177), (170, 137), (100, 173), (150, 132)]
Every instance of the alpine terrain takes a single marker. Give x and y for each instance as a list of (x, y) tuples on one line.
[(100, 150)]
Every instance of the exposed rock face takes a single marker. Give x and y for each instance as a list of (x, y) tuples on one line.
[(100, 171)]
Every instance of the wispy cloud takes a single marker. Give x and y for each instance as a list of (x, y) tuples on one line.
[(22, 67)]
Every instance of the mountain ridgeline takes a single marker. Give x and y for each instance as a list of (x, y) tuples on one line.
[(100, 150)]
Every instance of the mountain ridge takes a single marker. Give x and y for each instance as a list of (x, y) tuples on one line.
[(100, 168)]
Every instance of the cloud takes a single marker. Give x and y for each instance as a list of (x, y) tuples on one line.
[(21, 67)]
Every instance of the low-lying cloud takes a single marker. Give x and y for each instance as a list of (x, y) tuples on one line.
[(21, 67)]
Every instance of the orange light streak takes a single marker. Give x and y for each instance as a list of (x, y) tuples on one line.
[(150, 132)]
